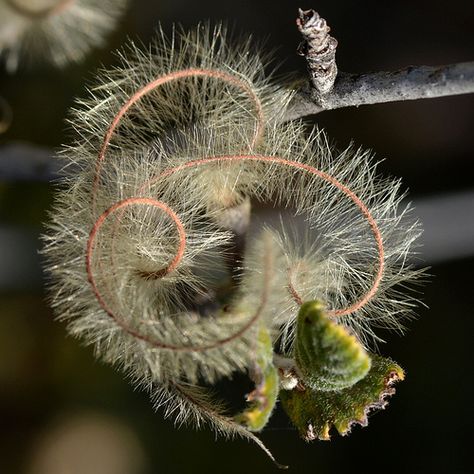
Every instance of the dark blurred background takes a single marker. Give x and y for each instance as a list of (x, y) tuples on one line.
[(57, 402)]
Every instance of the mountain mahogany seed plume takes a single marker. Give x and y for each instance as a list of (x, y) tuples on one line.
[(55, 31), (174, 146)]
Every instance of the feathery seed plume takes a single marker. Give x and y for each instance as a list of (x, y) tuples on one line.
[(169, 144), (54, 31)]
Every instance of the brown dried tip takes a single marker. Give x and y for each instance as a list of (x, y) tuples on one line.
[(316, 412), (319, 49)]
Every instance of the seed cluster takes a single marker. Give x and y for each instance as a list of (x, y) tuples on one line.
[(173, 149)]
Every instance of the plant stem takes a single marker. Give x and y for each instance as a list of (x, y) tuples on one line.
[(411, 83)]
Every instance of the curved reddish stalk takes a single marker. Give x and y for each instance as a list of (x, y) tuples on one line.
[(192, 72), (172, 265), (128, 202), (326, 177), (182, 236)]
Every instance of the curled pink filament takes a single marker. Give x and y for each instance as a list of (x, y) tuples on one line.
[(175, 261), (331, 180), (171, 266), (173, 76)]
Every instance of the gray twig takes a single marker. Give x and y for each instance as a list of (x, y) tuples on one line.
[(328, 92), (411, 83)]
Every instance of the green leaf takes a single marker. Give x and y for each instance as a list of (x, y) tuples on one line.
[(327, 356), (315, 412), (262, 400)]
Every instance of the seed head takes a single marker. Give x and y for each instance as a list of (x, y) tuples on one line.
[(171, 146), (55, 31)]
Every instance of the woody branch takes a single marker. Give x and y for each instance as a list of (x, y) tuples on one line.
[(330, 90)]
